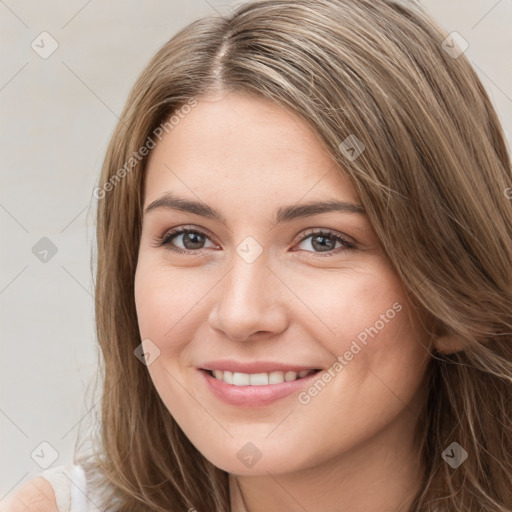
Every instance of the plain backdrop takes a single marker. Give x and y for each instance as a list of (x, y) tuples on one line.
[(57, 114)]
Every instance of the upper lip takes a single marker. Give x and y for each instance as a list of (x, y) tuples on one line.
[(255, 367)]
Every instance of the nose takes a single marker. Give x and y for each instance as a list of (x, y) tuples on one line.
[(250, 300)]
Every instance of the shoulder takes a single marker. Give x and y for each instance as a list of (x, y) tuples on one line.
[(36, 495)]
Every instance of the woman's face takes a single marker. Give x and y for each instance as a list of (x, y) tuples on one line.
[(267, 285)]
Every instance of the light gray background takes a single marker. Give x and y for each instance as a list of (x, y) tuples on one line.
[(57, 116)]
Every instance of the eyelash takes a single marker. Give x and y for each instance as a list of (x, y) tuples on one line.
[(166, 240)]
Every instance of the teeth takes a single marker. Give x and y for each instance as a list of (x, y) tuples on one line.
[(240, 379), (275, 377), (258, 379)]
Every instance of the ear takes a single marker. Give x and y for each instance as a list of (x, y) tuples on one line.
[(448, 344)]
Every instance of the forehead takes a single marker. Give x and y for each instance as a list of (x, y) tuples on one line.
[(242, 148)]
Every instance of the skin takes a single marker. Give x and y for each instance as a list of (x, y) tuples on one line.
[(36, 495), (351, 447)]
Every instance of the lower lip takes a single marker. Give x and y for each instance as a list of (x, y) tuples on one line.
[(254, 396)]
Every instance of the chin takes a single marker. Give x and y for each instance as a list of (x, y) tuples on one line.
[(255, 458)]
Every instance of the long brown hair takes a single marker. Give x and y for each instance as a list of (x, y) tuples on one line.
[(435, 179)]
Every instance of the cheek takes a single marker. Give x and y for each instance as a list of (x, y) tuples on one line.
[(167, 303), (378, 350), (164, 302), (349, 304)]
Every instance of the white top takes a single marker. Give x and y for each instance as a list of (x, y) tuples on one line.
[(70, 488)]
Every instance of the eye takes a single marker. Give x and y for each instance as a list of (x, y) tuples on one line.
[(325, 242), (192, 240)]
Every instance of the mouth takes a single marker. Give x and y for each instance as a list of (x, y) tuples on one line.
[(255, 389), (258, 379)]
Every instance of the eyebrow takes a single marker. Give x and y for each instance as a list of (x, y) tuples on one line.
[(283, 214)]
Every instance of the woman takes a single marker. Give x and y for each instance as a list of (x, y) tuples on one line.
[(303, 295)]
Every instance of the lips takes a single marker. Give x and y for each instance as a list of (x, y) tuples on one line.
[(255, 367), (255, 384)]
